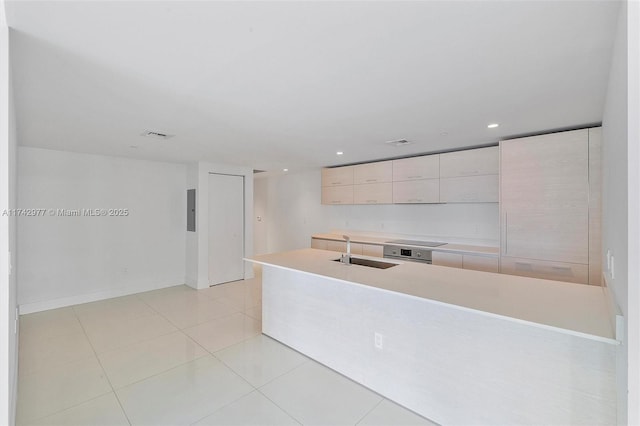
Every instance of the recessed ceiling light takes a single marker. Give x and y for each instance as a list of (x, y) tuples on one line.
[(285, 170), (133, 146), (339, 153), (493, 125)]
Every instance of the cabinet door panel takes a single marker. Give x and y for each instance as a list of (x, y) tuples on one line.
[(481, 161), (469, 189), (378, 172), (373, 193), (340, 246), (453, 260), (559, 271), (416, 191), (423, 167), (337, 176), (544, 197), (372, 250), (560, 235), (318, 244), (337, 194), (480, 263)]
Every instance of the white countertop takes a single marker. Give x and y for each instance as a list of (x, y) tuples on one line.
[(570, 308), (487, 251)]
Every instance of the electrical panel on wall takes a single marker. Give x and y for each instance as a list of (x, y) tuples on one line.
[(191, 210)]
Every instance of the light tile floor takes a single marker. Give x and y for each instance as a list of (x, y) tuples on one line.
[(178, 356)]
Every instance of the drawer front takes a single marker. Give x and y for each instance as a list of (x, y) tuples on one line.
[(470, 189), (416, 191), (337, 176), (374, 193), (340, 246), (559, 271), (480, 263), (453, 260), (337, 194), (318, 244)]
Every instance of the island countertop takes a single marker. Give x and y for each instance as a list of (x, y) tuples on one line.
[(576, 309)]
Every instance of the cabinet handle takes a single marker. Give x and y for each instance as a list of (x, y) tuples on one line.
[(371, 201), (506, 230), (336, 202), (470, 172), (335, 183), (371, 180), (415, 177), (564, 270), (415, 199), (523, 266)]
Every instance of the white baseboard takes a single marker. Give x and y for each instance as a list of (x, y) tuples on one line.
[(29, 308)]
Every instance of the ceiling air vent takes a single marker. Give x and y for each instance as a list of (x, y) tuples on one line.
[(256, 171), (157, 135), (399, 142)]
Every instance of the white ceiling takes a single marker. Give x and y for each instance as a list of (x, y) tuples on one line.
[(287, 84)]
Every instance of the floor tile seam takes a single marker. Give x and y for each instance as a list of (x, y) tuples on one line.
[(66, 408), (62, 364), (305, 360), (369, 412), (119, 388), (282, 408), (216, 319), (207, 320), (226, 405), (128, 345), (163, 372)]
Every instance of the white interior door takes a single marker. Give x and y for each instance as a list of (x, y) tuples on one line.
[(226, 228)]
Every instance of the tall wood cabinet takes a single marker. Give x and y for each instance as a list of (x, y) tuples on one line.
[(545, 206)]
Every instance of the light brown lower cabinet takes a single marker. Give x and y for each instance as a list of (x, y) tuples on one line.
[(465, 261), (341, 247), (559, 271)]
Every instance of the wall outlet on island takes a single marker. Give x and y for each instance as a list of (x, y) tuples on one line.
[(378, 340)]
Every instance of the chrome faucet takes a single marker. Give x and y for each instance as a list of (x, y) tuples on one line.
[(346, 258)]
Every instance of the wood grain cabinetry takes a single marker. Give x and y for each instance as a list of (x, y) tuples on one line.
[(559, 271), (465, 261), (480, 263), (470, 176), (413, 168), (440, 258), (373, 193), (378, 172), (337, 194), (336, 176), (341, 246), (545, 206), (471, 162), (416, 191)]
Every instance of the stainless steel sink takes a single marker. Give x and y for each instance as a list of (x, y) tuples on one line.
[(370, 263)]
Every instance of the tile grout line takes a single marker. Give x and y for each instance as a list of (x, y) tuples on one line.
[(369, 412), (295, 419), (102, 368)]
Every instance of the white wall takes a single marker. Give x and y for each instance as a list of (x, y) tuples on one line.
[(620, 202), (8, 303), (293, 213), (69, 260), (197, 250)]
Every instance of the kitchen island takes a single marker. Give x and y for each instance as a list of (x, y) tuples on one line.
[(456, 346)]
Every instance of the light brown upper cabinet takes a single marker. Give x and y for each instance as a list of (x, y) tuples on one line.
[(413, 168), (337, 176), (373, 193), (470, 176), (337, 194), (544, 205), (416, 191), (377, 172), (470, 162)]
